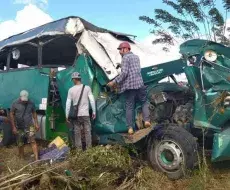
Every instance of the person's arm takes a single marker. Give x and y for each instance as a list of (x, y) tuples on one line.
[(35, 120), (68, 105), (35, 117), (124, 71), (92, 103), (12, 119)]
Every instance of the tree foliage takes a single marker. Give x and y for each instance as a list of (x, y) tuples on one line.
[(189, 19), (226, 4)]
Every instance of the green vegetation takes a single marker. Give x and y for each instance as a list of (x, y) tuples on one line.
[(102, 167)]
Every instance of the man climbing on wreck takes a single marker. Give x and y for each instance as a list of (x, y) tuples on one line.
[(80, 95), (130, 83)]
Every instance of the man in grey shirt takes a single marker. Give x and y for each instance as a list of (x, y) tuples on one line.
[(83, 119), (24, 123)]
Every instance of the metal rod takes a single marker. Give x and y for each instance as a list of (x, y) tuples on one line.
[(201, 75), (32, 44), (39, 55), (8, 61)]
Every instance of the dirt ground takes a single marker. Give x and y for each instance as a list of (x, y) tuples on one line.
[(106, 168)]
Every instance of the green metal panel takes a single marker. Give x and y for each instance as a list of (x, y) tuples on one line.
[(82, 65), (111, 115), (195, 47), (158, 72), (165, 87), (221, 146), (218, 77), (207, 106), (60, 123), (14, 81)]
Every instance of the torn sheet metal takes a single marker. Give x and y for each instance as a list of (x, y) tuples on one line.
[(74, 26), (88, 42), (110, 44)]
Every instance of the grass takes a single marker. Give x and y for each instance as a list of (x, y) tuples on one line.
[(111, 167)]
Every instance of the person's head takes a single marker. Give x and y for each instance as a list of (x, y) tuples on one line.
[(124, 48), (76, 77), (24, 95)]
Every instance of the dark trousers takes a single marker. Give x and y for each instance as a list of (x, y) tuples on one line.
[(131, 97)]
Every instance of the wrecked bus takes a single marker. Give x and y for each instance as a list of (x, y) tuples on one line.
[(42, 59)]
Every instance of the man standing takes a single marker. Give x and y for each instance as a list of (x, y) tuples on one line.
[(80, 95), (131, 83), (24, 123)]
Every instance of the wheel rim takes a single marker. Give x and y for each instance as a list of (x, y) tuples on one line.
[(169, 155)]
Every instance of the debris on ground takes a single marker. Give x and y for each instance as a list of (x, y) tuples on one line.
[(101, 167), (57, 150)]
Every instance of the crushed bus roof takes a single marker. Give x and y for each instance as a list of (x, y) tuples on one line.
[(66, 26)]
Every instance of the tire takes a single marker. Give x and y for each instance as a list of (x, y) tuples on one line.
[(173, 151)]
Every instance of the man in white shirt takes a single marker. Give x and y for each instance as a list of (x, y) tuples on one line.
[(83, 119)]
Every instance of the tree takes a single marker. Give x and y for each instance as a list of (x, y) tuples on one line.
[(191, 19)]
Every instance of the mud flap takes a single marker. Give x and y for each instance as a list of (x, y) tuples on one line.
[(221, 146)]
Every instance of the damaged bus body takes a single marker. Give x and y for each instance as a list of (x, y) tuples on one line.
[(42, 59)]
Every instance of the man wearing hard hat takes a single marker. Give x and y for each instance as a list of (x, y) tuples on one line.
[(80, 95), (131, 83)]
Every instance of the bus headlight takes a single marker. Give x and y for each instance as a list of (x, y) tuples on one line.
[(210, 55)]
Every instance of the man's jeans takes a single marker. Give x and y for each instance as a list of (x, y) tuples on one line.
[(82, 123), (131, 97)]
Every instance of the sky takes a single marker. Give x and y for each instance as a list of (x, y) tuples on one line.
[(119, 15), (17, 16)]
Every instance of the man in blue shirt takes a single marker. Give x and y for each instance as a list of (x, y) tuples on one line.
[(131, 83)]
